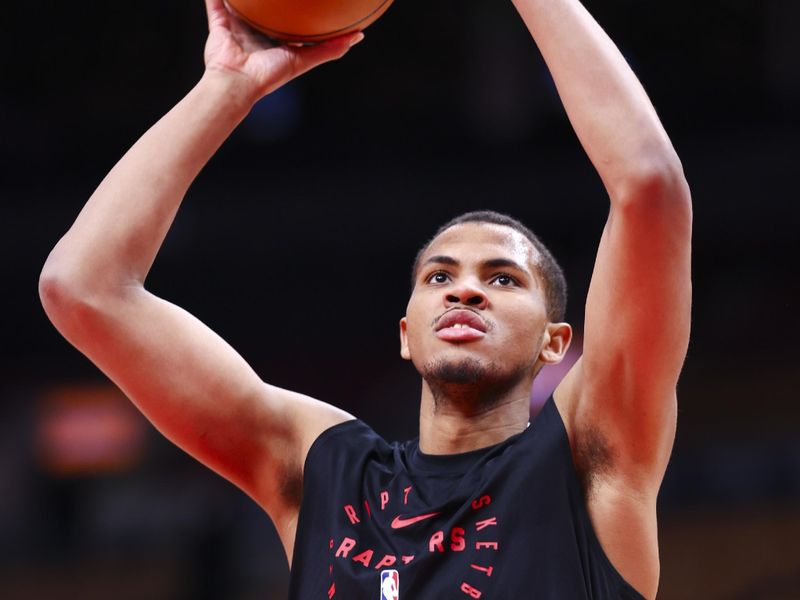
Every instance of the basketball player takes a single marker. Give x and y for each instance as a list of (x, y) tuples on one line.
[(483, 504)]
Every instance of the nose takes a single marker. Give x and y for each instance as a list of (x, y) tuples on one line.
[(466, 294)]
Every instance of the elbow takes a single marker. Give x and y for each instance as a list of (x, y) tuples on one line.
[(59, 295), (67, 300), (53, 286), (50, 290), (76, 293), (655, 185)]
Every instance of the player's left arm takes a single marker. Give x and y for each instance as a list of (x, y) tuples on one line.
[(638, 308)]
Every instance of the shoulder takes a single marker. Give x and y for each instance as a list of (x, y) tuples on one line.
[(342, 445), (350, 433)]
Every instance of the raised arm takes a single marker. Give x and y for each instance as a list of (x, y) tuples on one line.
[(194, 387), (619, 401)]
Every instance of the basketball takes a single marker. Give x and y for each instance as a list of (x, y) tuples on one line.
[(308, 20)]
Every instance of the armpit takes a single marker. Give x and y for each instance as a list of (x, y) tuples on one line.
[(594, 457), (291, 486)]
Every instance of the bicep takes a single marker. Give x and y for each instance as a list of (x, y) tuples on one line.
[(201, 394)]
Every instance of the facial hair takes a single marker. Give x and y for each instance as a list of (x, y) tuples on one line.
[(469, 382)]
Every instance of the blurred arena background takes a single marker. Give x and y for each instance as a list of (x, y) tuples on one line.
[(295, 244)]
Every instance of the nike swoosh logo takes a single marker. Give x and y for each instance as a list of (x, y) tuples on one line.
[(399, 522)]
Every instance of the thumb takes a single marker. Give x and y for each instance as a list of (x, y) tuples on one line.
[(308, 57)]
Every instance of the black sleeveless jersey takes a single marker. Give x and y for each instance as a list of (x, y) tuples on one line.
[(382, 521)]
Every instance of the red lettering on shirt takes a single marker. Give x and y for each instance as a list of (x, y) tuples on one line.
[(407, 559), (345, 547), (331, 591), (487, 570), (486, 523), (351, 514), (457, 543), (369, 512), (470, 591), (480, 545), (436, 542), (407, 491), (481, 502), (384, 499), (364, 557), (387, 561)]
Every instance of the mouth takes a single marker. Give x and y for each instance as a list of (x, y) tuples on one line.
[(460, 325)]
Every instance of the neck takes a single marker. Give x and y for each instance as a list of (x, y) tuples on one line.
[(459, 418)]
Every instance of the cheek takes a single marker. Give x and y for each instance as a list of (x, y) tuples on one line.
[(526, 329), (415, 333), (418, 317)]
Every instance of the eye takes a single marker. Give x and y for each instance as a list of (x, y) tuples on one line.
[(438, 277), (503, 280)]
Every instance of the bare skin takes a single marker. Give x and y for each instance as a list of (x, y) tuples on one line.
[(519, 339), (618, 403)]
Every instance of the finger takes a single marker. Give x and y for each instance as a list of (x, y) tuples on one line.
[(216, 12), (250, 38), (309, 57)]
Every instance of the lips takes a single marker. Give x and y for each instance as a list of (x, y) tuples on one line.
[(460, 325)]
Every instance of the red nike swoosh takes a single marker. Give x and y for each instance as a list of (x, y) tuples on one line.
[(399, 522)]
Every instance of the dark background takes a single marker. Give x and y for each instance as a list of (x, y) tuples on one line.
[(295, 244)]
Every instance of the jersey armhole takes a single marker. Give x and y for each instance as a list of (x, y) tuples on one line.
[(625, 587)]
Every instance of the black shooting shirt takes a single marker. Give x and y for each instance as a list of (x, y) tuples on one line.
[(382, 521)]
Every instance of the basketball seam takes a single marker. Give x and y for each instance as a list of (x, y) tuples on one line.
[(310, 36)]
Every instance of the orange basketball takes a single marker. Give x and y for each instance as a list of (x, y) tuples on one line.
[(308, 20)]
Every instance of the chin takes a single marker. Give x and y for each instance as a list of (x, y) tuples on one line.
[(469, 381), (461, 370)]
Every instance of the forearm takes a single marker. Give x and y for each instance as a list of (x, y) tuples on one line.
[(115, 238), (607, 106)]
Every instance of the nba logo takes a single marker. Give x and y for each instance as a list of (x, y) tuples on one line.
[(390, 585)]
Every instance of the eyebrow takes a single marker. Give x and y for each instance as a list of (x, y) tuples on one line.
[(442, 260), (491, 263)]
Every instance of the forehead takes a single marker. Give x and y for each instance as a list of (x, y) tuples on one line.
[(476, 241)]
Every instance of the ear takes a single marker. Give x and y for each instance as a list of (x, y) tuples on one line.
[(404, 351), (555, 343)]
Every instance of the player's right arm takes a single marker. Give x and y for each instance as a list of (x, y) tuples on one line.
[(192, 385)]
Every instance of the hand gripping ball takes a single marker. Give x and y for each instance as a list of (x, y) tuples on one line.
[(308, 20)]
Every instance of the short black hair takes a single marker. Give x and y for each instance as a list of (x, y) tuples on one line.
[(554, 282)]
